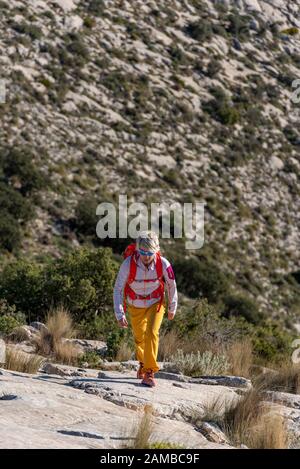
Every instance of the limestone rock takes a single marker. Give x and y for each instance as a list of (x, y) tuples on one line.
[(90, 346), (62, 370), (49, 414), (276, 163), (283, 398), (213, 433), (73, 23), (39, 326)]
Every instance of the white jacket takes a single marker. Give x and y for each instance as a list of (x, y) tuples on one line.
[(144, 288)]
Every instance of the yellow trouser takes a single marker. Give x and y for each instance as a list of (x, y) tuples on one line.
[(145, 325)]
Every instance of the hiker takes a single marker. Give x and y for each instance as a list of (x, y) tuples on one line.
[(140, 283)]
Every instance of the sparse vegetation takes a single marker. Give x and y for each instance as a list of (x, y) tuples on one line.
[(248, 421), (17, 360), (205, 363), (50, 342)]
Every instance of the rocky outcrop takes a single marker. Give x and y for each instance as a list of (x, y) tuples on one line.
[(50, 411)]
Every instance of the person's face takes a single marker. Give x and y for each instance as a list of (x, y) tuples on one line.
[(146, 256)]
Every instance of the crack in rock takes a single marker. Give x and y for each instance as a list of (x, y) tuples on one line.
[(82, 434)]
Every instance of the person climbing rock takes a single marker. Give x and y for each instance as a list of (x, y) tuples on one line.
[(140, 289)]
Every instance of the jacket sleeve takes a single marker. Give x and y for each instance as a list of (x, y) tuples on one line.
[(119, 289), (171, 285)]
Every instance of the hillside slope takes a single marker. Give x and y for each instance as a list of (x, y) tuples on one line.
[(180, 101)]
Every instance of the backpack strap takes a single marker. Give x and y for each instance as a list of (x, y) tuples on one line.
[(132, 275)]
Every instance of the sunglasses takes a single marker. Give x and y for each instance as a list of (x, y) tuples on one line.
[(146, 253)]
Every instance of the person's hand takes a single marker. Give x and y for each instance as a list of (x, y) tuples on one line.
[(171, 315), (123, 322)]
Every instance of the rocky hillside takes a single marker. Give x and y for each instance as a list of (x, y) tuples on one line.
[(181, 100)]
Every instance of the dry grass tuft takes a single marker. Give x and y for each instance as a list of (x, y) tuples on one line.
[(141, 433), (17, 360), (59, 326), (248, 421), (240, 355), (144, 429), (124, 352), (169, 342), (284, 379)]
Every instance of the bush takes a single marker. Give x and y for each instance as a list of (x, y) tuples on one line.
[(10, 318), (198, 363), (239, 26), (199, 30), (203, 278), (90, 359), (10, 233), (19, 170), (95, 7), (21, 284), (271, 343), (213, 68), (13, 204), (81, 281), (8, 324), (98, 327), (222, 111), (116, 340), (290, 31), (238, 305), (33, 31), (85, 216), (85, 222), (202, 328)]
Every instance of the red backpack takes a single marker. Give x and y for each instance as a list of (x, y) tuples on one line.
[(128, 291)]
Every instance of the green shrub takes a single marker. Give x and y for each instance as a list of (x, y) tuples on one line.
[(199, 30), (95, 7), (206, 363), (98, 327), (13, 204), (81, 281), (213, 68), (205, 328), (92, 358), (222, 111), (8, 323), (85, 223), (89, 22), (21, 284), (9, 317), (195, 279), (115, 339), (238, 26), (85, 215), (239, 305), (10, 233), (290, 31), (30, 29), (17, 168), (271, 342)]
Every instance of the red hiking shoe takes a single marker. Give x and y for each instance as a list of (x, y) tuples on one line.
[(140, 372), (149, 379)]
